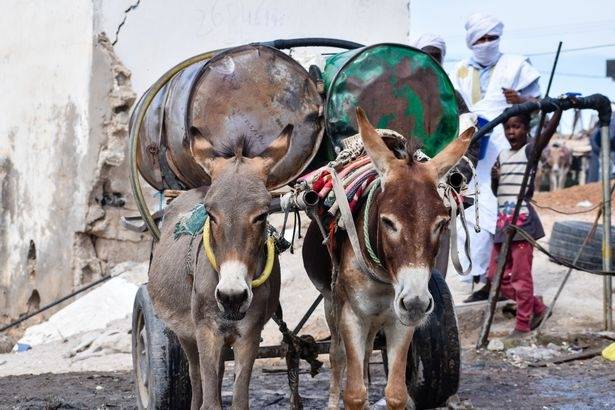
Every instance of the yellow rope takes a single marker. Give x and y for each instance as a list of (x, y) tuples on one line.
[(134, 136), (207, 244), (270, 244)]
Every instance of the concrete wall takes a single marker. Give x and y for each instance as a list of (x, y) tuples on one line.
[(43, 143), (63, 119), (67, 94), (155, 36)]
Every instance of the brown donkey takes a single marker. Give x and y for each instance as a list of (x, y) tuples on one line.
[(405, 221), (209, 308)]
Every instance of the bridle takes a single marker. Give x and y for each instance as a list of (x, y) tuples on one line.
[(269, 245)]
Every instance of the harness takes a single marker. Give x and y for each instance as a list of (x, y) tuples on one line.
[(197, 222), (269, 244), (352, 176)]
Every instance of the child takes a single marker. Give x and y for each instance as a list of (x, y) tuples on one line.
[(506, 177)]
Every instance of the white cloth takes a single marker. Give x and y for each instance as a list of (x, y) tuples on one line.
[(431, 40), (487, 54), (480, 250), (514, 72), (479, 24), (511, 71)]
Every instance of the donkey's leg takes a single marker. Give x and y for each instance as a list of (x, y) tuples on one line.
[(337, 356), (192, 354), (354, 331), (562, 177), (245, 350), (210, 351), (220, 376), (399, 338), (369, 347), (552, 181)]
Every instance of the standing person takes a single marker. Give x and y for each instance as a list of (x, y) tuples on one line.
[(593, 173), (489, 82), (506, 177), (435, 46)]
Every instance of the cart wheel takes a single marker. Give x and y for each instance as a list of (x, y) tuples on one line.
[(160, 368), (432, 371)]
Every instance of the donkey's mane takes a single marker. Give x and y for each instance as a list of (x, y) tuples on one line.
[(411, 146), (239, 148)]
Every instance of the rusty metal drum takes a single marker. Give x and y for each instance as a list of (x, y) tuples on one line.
[(249, 93)]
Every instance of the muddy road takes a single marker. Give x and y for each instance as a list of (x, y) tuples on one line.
[(487, 383)]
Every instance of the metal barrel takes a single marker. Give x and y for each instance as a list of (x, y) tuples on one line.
[(241, 95)]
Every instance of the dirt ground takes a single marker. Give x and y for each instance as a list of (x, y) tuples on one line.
[(488, 383)]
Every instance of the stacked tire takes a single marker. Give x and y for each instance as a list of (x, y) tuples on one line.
[(567, 238)]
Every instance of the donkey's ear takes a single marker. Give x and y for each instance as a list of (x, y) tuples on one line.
[(277, 149), (374, 145), (203, 152), (452, 153)]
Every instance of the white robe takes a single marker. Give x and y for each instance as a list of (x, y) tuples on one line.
[(513, 72)]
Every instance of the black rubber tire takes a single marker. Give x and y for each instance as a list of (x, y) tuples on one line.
[(167, 383), (434, 360), (566, 240)]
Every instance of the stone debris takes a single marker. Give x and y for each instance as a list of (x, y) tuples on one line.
[(115, 339), (532, 354), (6, 344), (495, 345), (110, 301), (456, 403), (585, 204)]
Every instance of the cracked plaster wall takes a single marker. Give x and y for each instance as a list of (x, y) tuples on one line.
[(63, 154)]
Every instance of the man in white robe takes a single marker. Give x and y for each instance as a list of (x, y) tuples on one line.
[(433, 45), (489, 82)]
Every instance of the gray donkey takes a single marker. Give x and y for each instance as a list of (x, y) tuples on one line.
[(210, 307)]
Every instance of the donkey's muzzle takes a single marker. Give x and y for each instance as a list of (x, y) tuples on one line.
[(232, 304), (414, 309)]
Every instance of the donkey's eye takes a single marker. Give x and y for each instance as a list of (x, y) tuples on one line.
[(260, 218), (388, 224), (212, 218), (443, 223)]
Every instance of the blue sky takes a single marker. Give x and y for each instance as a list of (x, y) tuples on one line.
[(533, 27)]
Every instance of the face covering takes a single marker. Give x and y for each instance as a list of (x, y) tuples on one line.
[(486, 54)]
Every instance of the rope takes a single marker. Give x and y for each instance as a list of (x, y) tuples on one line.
[(476, 193), (368, 245), (270, 245), (527, 237), (533, 202)]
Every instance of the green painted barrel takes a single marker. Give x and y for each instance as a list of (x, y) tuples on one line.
[(399, 87)]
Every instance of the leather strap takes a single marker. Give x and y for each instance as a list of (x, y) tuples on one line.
[(452, 197), (351, 230)]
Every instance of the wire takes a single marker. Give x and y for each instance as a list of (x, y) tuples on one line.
[(569, 50), (533, 202), (555, 29), (546, 53), (560, 261), (601, 77)]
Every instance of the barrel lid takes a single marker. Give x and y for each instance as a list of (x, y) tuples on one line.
[(251, 93), (399, 87)]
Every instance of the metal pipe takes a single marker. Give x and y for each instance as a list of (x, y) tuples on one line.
[(54, 303), (605, 145), (311, 42), (308, 313)]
